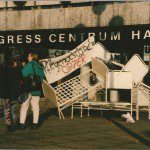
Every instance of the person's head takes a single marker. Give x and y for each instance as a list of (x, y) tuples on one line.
[(32, 56), (15, 64)]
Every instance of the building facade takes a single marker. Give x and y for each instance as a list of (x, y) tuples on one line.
[(55, 27)]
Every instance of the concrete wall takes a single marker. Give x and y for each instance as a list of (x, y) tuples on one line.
[(11, 4), (104, 15)]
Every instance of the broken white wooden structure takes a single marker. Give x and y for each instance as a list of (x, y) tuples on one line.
[(140, 91), (73, 91), (114, 79), (129, 77), (80, 94)]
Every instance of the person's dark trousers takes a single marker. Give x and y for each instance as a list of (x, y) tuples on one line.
[(8, 114)]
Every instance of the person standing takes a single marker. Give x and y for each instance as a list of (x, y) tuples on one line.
[(31, 68), (9, 92)]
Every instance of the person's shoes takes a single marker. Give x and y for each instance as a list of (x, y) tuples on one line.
[(22, 126), (10, 129), (34, 126)]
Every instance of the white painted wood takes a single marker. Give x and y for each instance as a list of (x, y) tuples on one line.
[(114, 97), (2, 4), (143, 95), (119, 80), (137, 67), (72, 91)]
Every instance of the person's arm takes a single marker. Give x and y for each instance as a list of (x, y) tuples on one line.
[(27, 70)]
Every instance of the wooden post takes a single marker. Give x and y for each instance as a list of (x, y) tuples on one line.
[(81, 111), (59, 113), (101, 112), (137, 107), (88, 111), (131, 101), (137, 112), (72, 111)]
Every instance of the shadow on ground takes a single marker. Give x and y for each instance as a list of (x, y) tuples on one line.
[(147, 133), (94, 132)]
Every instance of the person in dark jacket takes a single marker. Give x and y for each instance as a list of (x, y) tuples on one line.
[(32, 68), (9, 91)]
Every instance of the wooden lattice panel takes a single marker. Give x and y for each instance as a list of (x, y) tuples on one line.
[(75, 88)]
